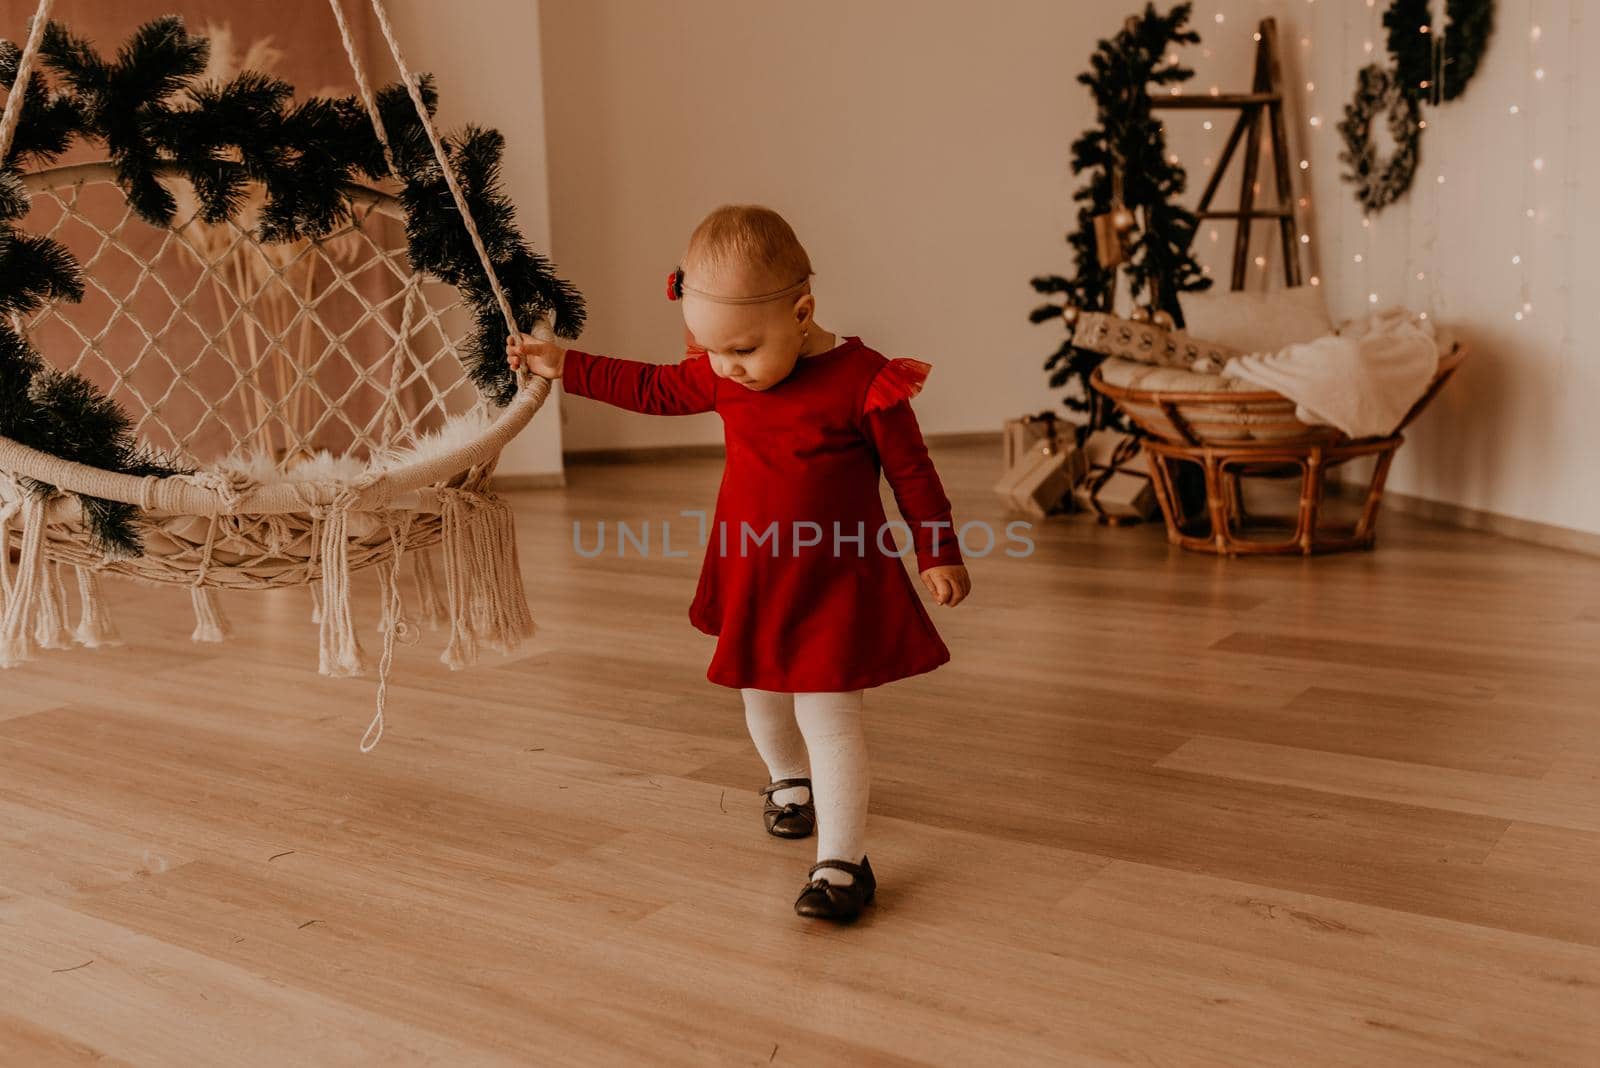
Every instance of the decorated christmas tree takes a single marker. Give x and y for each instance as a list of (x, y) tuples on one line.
[(1127, 221)]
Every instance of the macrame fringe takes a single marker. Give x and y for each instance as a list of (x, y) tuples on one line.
[(95, 628), (50, 629), (316, 600), (210, 624), (429, 604), (483, 579), (339, 655), (22, 588)]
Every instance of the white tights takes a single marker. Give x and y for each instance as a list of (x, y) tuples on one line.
[(827, 726)]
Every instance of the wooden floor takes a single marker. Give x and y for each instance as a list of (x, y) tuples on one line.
[(1162, 809)]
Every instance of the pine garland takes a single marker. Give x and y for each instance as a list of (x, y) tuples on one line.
[(146, 108), (1436, 65), (1128, 145)]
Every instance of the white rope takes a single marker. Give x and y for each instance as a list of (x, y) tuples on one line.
[(395, 625), (15, 642), (444, 162), (362, 85), (19, 88)]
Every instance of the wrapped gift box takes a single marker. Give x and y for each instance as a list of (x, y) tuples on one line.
[(1042, 481), (1148, 343), (1117, 486), (1022, 436)]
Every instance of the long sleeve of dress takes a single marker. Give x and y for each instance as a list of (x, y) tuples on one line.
[(684, 388), (892, 427)]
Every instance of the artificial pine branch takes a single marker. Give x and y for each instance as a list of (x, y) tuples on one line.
[(34, 269), (50, 120)]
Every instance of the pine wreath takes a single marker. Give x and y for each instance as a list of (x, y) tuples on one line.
[(149, 110), (1380, 182), (1437, 64)]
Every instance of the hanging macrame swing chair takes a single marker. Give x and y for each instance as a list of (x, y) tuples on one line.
[(221, 359)]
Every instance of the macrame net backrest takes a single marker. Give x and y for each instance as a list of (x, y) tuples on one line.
[(218, 345)]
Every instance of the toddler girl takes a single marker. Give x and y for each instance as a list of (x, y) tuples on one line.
[(802, 582)]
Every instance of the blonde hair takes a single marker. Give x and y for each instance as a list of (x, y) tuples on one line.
[(749, 235)]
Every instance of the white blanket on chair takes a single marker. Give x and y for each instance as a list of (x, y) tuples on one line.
[(1363, 380)]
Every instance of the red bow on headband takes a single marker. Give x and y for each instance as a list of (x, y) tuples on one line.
[(675, 285)]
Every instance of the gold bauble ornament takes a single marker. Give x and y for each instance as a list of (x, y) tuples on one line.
[(1140, 315), (1069, 315), (1161, 319), (1122, 219)]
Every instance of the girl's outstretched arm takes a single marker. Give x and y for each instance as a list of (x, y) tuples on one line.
[(684, 388)]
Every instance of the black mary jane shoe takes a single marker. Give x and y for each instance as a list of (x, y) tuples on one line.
[(792, 820), (822, 900)]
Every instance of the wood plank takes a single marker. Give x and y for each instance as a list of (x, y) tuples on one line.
[(1498, 796)]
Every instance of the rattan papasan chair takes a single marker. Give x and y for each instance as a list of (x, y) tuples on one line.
[(1231, 430), (233, 353)]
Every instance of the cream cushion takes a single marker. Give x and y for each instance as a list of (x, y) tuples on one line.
[(1257, 322), (1215, 423)]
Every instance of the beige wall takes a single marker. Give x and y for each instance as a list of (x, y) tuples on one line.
[(921, 151)]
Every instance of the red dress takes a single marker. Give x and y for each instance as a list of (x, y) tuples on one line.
[(801, 583)]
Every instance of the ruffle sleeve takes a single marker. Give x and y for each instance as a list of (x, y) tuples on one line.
[(898, 380)]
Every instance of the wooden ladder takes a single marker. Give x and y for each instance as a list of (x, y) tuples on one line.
[(1265, 95)]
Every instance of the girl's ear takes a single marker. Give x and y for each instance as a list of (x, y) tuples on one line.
[(804, 308)]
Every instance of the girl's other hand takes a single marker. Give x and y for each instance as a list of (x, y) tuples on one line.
[(540, 357), (949, 584)]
